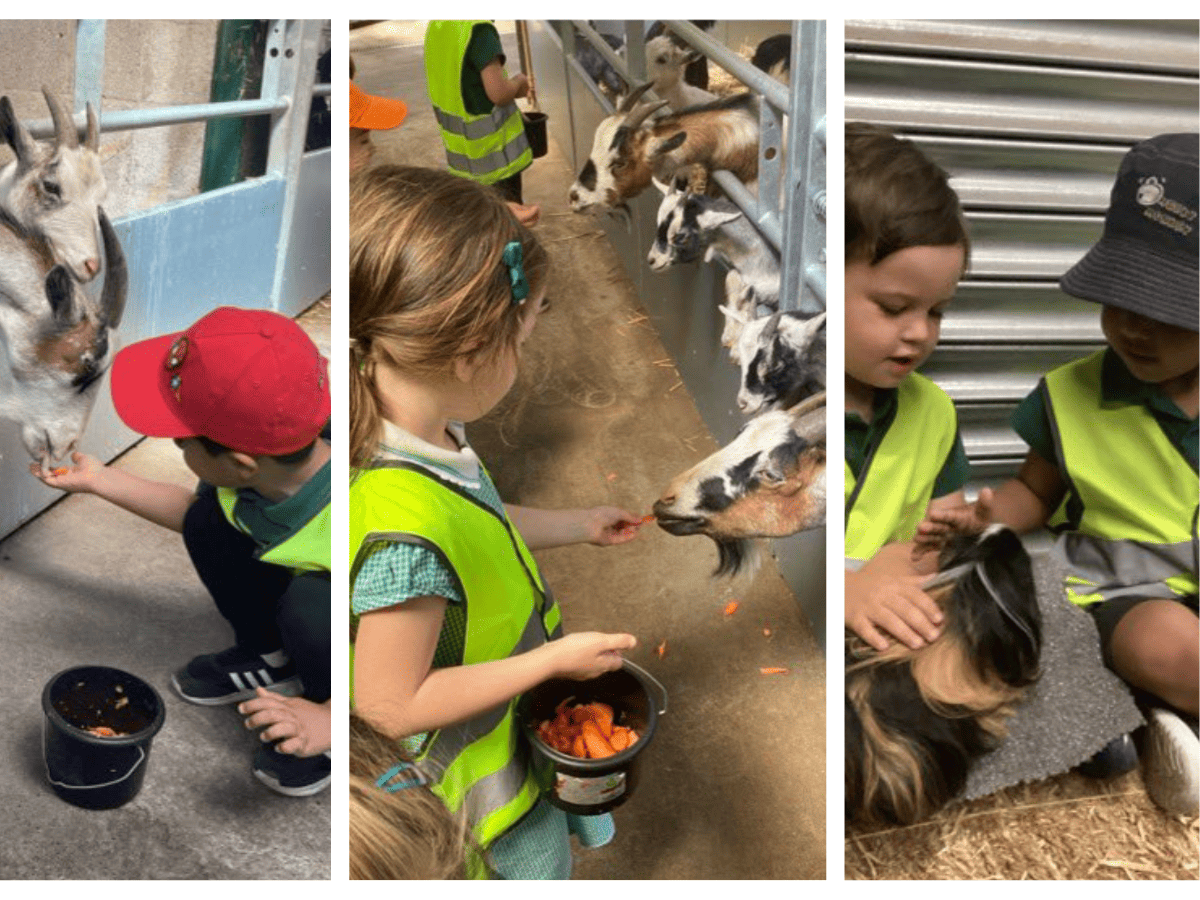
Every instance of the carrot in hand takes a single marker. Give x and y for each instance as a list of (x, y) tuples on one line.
[(62, 470)]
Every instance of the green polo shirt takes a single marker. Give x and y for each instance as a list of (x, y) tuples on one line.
[(270, 522), (1118, 386), (863, 437), (482, 49)]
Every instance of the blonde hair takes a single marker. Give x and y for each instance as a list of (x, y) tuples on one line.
[(408, 834), (428, 284)]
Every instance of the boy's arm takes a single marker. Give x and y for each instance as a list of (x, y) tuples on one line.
[(499, 89), (159, 502)]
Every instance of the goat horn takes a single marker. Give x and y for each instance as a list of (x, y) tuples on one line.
[(64, 125), (93, 130), (631, 101), (638, 116), (116, 275)]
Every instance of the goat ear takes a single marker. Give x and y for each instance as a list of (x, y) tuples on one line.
[(668, 144), (58, 292), (16, 135), (714, 218), (663, 189)]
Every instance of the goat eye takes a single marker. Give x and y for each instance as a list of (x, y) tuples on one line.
[(51, 188), (770, 476)]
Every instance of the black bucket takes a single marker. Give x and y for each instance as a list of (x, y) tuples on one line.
[(87, 767), (535, 132), (588, 787)]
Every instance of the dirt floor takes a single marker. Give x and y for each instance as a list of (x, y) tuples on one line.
[(734, 783)]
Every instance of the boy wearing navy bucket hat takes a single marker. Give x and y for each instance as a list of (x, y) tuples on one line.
[(1112, 464), (245, 395)]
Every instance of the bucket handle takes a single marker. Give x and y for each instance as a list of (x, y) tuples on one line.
[(662, 691), (88, 787)]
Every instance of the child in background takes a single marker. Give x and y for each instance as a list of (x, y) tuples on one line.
[(370, 113), (906, 249), (1112, 461), (451, 619), (472, 97), (245, 395)]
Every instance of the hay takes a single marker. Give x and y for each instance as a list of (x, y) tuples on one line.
[(1068, 827)]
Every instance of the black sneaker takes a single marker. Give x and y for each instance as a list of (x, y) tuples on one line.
[(232, 675), (1117, 757), (292, 776)]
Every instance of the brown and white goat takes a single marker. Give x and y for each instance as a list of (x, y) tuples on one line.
[(629, 151), (51, 193), (55, 342), (768, 482)]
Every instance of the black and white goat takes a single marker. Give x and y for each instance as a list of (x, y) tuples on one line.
[(630, 149), (768, 482), (597, 67), (51, 193), (917, 719), (782, 358)]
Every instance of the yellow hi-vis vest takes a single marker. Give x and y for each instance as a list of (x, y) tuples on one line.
[(888, 499), (480, 767), (306, 550), (485, 148), (1136, 534)]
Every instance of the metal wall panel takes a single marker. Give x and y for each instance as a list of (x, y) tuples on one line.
[(1031, 120)]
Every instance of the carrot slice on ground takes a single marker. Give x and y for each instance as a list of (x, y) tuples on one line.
[(731, 607), (773, 670)]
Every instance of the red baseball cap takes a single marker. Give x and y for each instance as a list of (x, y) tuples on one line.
[(249, 379)]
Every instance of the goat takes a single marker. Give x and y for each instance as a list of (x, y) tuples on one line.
[(690, 223), (774, 56), (597, 67), (768, 482), (55, 343), (665, 64), (628, 151), (696, 72), (782, 358), (51, 193), (917, 719)]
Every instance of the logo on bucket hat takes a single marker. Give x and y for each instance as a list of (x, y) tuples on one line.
[(1146, 260), (249, 379)]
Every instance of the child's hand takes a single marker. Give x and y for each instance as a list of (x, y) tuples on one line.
[(608, 525), (881, 603), (520, 82), (588, 654), (940, 525), (78, 477), (302, 727)]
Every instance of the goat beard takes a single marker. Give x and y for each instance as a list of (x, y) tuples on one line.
[(736, 556)]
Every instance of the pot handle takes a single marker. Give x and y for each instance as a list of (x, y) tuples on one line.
[(662, 691)]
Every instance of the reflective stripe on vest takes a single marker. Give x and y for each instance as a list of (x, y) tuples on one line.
[(481, 766), (889, 498), (486, 148), (307, 550), (1136, 533)]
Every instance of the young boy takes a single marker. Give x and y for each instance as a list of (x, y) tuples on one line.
[(472, 98), (906, 249), (1112, 459), (245, 395), (370, 113)]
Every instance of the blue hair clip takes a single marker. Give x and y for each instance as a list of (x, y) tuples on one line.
[(514, 258), (414, 778)]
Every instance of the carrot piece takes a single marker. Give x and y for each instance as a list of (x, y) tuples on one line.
[(661, 650), (579, 715), (773, 670), (602, 715), (731, 607), (62, 470), (593, 740), (633, 737), (579, 748), (619, 739)]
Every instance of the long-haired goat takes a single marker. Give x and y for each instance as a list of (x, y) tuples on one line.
[(917, 719), (768, 482), (782, 357), (55, 342), (629, 151), (51, 193)]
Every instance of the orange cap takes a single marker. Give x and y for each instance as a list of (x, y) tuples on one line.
[(374, 113)]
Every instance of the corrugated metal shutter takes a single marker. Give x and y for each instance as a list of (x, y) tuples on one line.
[(1031, 120)]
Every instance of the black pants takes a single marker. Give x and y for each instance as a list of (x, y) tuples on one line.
[(510, 188), (268, 607)]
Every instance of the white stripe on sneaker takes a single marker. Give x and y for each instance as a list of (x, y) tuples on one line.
[(237, 681)]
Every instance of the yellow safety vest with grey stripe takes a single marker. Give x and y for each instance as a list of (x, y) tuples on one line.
[(1136, 534), (888, 499), (306, 550), (480, 767), (485, 148)]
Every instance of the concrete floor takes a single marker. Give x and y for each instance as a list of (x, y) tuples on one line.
[(733, 786), (87, 583)]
